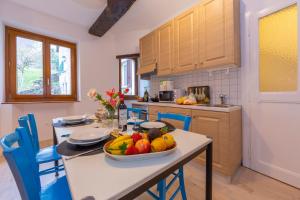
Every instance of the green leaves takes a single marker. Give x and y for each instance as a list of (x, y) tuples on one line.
[(123, 147)]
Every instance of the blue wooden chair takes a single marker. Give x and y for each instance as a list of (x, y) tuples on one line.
[(45, 155), (16, 149), (162, 186), (139, 112)]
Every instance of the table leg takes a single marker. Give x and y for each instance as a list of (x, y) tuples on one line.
[(208, 186), (55, 143)]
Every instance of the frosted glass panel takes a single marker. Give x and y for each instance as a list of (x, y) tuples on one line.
[(278, 62)]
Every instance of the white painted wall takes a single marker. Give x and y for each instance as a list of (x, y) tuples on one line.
[(97, 65)]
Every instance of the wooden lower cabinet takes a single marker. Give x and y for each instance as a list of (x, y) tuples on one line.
[(225, 128), (226, 131)]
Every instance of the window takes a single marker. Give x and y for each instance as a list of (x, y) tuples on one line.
[(278, 51), (128, 74), (39, 68)]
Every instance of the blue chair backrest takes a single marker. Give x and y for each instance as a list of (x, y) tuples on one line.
[(135, 110), (29, 123), (22, 164), (185, 119)]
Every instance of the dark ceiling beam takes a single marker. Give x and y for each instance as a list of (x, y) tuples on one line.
[(112, 13)]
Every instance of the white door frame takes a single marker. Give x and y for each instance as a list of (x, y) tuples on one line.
[(271, 97), (254, 98)]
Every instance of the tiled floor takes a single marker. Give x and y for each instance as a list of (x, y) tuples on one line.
[(246, 185)]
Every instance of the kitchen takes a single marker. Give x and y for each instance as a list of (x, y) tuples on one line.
[(228, 66)]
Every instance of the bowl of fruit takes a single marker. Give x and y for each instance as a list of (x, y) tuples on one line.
[(140, 146)]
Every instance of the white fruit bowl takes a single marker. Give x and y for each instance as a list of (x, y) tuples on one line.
[(138, 156)]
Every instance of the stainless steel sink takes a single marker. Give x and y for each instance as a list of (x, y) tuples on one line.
[(222, 105), (218, 105)]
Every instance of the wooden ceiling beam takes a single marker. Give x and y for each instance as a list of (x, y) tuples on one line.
[(112, 13)]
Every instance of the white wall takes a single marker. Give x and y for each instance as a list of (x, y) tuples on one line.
[(97, 64)]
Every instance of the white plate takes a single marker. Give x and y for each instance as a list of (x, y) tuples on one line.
[(138, 156), (73, 122), (133, 121), (73, 118), (86, 143), (89, 134), (149, 125)]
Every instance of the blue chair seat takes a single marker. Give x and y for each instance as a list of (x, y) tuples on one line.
[(44, 155), (58, 189), (47, 154), (17, 149)]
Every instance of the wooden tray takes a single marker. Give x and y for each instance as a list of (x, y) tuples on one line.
[(138, 156)]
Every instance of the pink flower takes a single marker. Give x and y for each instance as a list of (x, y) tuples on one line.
[(110, 92), (126, 90), (92, 93), (113, 102)]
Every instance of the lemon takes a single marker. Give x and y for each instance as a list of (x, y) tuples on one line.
[(158, 144), (169, 140)]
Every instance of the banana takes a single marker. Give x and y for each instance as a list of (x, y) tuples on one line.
[(123, 137), (116, 152), (118, 145)]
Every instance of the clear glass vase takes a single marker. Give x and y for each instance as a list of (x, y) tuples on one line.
[(110, 118)]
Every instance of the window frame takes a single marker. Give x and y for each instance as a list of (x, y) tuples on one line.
[(11, 95), (134, 57)]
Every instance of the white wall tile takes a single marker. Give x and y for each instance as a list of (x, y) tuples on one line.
[(220, 81)]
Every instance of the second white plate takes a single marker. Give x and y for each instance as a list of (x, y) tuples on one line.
[(148, 125)]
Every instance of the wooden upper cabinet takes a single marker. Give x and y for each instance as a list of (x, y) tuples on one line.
[(185, 41), (165, 48), (205, 36), (219, 33), (148, 53)]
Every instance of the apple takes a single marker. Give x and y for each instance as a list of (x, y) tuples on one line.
[(136, 137), (143, 146), (131, 150)]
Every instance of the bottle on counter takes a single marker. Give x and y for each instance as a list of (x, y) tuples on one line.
[(146, 96), (122, 115)]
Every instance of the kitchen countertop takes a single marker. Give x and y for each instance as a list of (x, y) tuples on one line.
[(193, 107)]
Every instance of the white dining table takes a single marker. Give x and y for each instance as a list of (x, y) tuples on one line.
[(100, 177)]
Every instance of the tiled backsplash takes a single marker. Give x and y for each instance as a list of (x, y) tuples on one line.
[(220, 82)]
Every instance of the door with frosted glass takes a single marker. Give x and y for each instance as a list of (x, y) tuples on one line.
[(275, 93)]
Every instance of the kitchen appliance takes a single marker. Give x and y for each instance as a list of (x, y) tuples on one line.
[(178, 93), (201, 93), (166, 96), (166, 85)]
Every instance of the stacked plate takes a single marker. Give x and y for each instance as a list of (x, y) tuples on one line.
[(88, 136), (72, 120)]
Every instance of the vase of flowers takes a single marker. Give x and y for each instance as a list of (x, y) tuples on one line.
[(111, 103)]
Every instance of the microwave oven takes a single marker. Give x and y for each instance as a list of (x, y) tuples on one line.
[(166, 96)]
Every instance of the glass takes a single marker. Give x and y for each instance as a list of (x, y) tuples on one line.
[(60, 70), (128, 75), (29, 66), (134, 117), (278, 49)]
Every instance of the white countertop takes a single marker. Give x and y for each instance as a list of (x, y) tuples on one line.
[(193, 107)]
